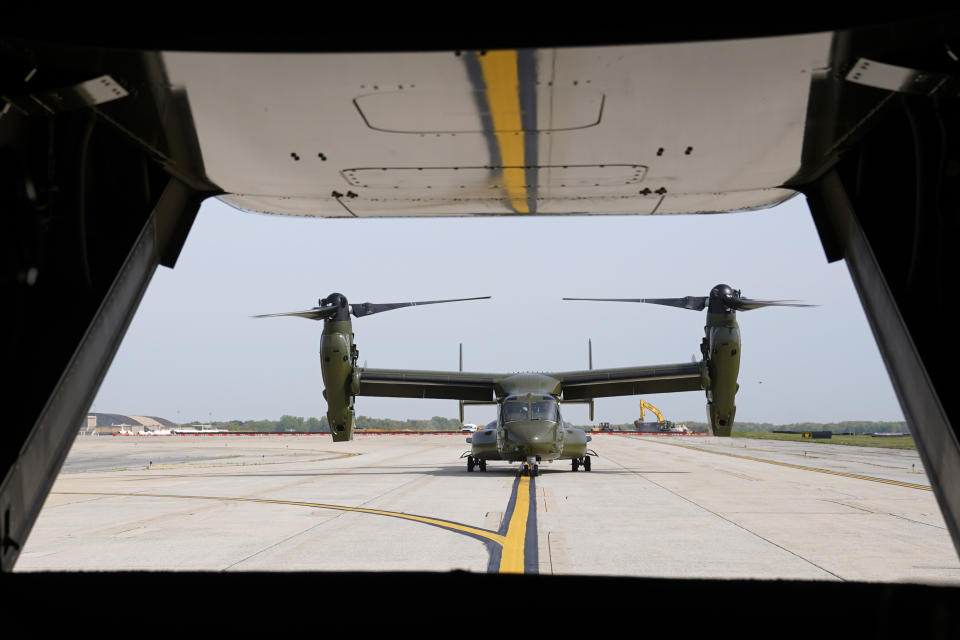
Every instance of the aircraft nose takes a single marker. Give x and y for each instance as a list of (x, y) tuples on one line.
[(532, 431)]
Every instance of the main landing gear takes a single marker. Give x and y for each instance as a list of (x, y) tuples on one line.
[(476, 462), (584, 462)]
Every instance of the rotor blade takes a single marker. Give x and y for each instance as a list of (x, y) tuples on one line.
[(369, 308), (690, 302), (317, 313), (694, 303), (746, 304)]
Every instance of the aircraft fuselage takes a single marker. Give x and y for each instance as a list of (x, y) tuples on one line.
[(528, 429)]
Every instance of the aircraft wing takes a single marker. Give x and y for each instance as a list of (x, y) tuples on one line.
[(449, 385), (630, 381)]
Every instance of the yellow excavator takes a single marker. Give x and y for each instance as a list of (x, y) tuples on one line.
[(660, 426), (646, 405)]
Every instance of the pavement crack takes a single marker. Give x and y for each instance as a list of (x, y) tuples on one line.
[(847, 504), (395, 489), (550, 552), (733, 522), (935, 526), (280, 542)]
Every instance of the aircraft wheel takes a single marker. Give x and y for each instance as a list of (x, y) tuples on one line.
[(535, 471), (575, 465), (586, 463), (470, 463), (483, 464)]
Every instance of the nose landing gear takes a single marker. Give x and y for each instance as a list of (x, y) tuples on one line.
[(476, 462), (529, 467), (578, 462)]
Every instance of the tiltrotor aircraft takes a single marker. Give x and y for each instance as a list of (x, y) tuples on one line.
[(529, 428)]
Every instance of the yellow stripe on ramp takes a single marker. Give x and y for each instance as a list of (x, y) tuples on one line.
[(503, 99)]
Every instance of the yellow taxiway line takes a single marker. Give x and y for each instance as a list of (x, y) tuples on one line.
[(512, 544), (512, 556)]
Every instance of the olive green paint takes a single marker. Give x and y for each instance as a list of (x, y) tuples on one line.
[(721, 351), (529, 426), (338, 356)]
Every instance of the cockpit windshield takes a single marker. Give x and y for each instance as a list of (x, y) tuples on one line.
[(516, 410), (543, 410), (537, 409)]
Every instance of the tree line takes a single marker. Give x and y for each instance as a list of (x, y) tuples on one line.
[(299, 424)]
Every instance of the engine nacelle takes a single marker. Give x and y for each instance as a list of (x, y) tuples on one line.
[(338, 361), (721, 349)]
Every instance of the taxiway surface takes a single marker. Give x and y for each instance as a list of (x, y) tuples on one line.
[(651, 506)]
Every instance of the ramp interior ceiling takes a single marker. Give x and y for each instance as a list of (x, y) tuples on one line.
[(559, 131)]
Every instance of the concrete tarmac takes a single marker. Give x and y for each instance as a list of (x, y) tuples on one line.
[(652, 506)]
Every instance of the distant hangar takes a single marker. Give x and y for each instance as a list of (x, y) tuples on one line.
[(110, 423)]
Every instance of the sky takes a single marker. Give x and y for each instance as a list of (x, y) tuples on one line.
[(193, 352)]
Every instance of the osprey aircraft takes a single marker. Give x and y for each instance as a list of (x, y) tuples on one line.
[(529, 428)]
